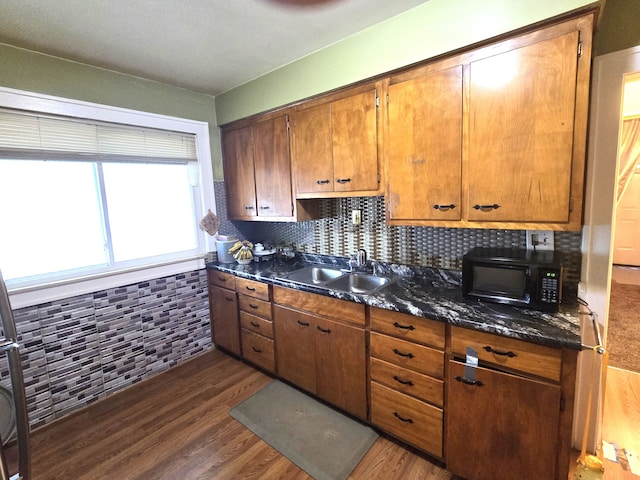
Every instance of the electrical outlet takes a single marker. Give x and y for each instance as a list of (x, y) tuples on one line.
[(356, 217), (540, 240)]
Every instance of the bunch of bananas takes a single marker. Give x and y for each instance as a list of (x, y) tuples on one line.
[(242, 250)]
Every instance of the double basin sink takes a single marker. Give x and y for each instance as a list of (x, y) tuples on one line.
[(333, 278)]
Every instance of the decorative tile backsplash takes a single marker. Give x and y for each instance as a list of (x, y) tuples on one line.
[(423, 246), (78, 350)]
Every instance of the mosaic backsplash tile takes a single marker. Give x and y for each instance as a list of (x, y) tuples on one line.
[(78, 350), (421, 246)]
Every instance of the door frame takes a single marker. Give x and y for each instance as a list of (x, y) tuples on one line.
[(599, 215)]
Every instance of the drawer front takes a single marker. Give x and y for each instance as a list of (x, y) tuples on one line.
[(508, 353), (341, 310), (407, 381), (254, 306), (259, 350), (221, 279), (256, 324), (408, 355), (411, 420), (408, 327), (252, 288)]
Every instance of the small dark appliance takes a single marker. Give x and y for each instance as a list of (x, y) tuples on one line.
[(523, 278)]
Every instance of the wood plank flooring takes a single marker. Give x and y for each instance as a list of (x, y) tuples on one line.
[(176, 426), (621, 422)]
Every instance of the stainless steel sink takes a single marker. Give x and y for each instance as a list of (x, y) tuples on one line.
[(315, 275), (362, 283)]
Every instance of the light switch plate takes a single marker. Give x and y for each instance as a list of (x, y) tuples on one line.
[(356, 217), (540, 239)]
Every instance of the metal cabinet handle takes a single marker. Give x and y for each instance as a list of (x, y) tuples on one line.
[(509, 354), (398, 352), (444, 208), (322, 182), (304, 324), (229, 299), (466, 381), (323, 330), (343, 180), (495, 206), (251, 289), (222, 279), (265, 207), (254, 324), (403, 382), (255, 307), (405, 420), (257, 350), (249, 207), (405, 327)]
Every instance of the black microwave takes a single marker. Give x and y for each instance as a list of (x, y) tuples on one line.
[(519, 277)]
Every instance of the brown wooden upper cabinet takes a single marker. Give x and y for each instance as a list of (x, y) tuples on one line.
[(335, 145), (257, 171), (494, 137), (425, 144)]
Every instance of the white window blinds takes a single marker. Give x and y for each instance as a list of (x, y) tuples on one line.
[(25, 136)]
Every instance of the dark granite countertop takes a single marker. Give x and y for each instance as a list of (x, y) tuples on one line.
[(435, 294)]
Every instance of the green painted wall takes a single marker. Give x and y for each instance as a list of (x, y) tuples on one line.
[(25, 70), (433, 28), (619, 26)]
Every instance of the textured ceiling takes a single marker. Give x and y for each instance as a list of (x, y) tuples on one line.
[(208, 46)]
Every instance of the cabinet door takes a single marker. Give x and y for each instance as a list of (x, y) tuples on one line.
[(313, 161), (272, 168), (341, 366), (355, 143), (521, 121), (506, 426), (225, 325), (424, 152), (295, 357), (239, 173)]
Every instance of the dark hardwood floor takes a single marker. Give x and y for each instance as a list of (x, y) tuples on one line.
[(177, 426)]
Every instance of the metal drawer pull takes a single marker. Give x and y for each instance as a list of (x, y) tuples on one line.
[(328, 330), (222, 279), (410, 327), (495, 206), (509, 354), (228, 299), (322, 182), (254, 324), (251, 305), (251, 289), (477, 383), (343, 180), (264, 208), (304, 324), (398, 352), (249, 207), (257, 350), (403, 382), (444, 208), (406, 420)]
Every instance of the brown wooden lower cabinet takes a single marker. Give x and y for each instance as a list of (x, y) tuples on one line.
[(225, 327), (407, 418), (323, 356), (258, 349), (502, 427)]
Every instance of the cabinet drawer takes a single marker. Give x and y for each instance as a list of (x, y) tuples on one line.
[(256, 324), (411, 420), (408, 355), (407, 381), (408, 327), (341, 310), (254, 306), (259, 350), (508, 353), (252, 288), (221, 279)]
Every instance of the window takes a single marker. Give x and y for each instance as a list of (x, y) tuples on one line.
[(81, 197)]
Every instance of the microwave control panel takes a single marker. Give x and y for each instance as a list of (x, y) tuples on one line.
[(550, 286)]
